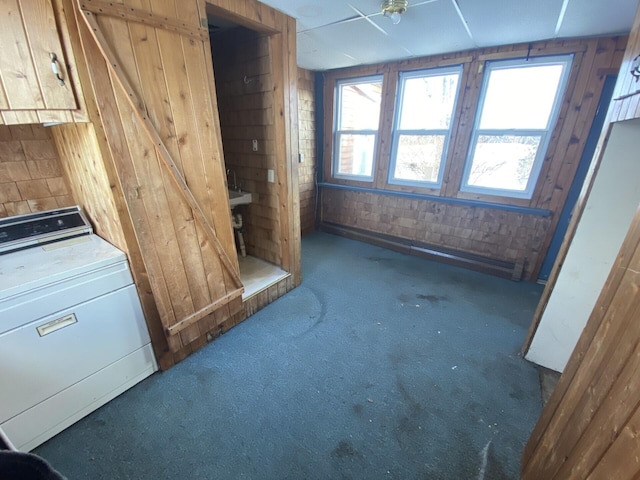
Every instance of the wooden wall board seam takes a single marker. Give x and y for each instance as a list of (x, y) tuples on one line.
[(571, 143), (163, 151), (607, 422), (194, 74), (595, 326), (568, 426), (120, 154), (193, 293)]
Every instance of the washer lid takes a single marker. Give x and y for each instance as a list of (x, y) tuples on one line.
[(39, 267)]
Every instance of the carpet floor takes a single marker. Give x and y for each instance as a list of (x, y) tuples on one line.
[(379, 366)]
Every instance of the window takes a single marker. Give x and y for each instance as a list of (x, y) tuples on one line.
[(424, 110), (518, 108), (356, 127)]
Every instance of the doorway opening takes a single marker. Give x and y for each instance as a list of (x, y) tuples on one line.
[(244, 88)]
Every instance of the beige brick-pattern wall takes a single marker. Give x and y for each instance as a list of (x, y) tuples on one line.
[(307, 145), (31, 177)]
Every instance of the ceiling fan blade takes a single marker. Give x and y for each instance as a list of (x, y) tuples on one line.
[(361, 14)]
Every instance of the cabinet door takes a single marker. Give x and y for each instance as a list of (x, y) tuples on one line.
[(30, 49)]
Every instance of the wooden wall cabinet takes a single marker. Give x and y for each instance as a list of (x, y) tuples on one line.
[(36, 65)]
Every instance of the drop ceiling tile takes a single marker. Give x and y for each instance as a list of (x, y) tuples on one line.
[(428, 29), (315, 54), (310, 14), (368, 7), (327, 39), (588, 17), (502, 22), (362, 41)]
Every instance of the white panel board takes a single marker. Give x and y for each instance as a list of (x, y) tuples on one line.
[(502, 22), (613, 201), (361, 41), (428, 29), (315, 54), (435, 27), (310, 14), (586, 18)]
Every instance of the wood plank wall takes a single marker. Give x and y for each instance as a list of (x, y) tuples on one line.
[(589, 428), (307, 141), (244, 85), (626, 97), (31, 176), (513, 237), (91, 186), (191, 274)]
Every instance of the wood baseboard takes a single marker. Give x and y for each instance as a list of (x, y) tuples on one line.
[(510, 270)]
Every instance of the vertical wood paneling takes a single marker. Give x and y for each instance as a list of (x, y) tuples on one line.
[(589, 427), (178, 266), (86, 159), (200, 151), (131, 210), (82, 162), (173, 260), (176, 234), (626, 96), (31, 175), (285, 75)]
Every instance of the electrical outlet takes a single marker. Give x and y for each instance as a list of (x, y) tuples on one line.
[(301, 158), (254, 145), (271, 176)]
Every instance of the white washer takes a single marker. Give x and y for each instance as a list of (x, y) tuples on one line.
[(72, 332)]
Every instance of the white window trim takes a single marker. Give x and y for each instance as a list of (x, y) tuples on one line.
[(337, 133), (545, 134), (428, 72)]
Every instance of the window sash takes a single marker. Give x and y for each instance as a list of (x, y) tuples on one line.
[(394, 176), (339, 132), (533, 172), (338, 163), (543, 134)]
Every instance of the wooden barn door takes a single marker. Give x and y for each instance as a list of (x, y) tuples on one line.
[(150, 67)]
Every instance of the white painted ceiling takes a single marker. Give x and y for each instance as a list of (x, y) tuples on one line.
[(336, 33)]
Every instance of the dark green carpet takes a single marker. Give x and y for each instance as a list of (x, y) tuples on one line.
[(379, 366)]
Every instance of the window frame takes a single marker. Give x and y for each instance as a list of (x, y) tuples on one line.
[(397, 131), (545, 134), (337, 132)]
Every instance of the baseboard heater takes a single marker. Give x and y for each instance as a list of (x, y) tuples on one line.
[(511, 270)]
